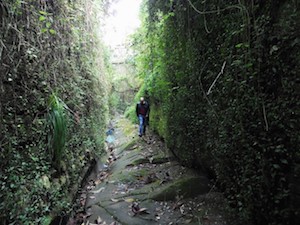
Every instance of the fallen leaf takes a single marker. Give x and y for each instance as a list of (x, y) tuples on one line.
[(92, 197), (143, 210), (99, 220), (111, 181), (182, 209), (133, 147), (90, 187), (114, 200), (129, 200), (188, 221), (135, 208), (98, 182), (151, 159), (98, 191)]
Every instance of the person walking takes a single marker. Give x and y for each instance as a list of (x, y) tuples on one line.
[(142, 112)]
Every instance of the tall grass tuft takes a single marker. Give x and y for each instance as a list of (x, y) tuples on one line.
[(58, 130)]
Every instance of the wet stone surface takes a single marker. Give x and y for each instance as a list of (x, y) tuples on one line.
[(140, 183)]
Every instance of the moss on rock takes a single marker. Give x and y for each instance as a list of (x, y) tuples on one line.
[(187, 187)]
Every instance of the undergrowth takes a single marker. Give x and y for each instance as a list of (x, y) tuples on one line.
[(47, 140), (222, 80)]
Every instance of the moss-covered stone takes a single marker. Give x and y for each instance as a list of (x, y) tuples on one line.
[(128, 146), (127, 126), (131, 176), (186, 187)]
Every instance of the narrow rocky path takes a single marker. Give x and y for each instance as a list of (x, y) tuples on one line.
[(139, 182)]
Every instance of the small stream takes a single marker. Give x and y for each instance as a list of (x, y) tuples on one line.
[(95, 167)]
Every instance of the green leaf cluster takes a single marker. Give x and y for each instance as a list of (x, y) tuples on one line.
[(222, 80), (48, 140), (58, 127)]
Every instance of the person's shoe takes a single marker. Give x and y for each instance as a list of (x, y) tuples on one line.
[(140, 135)]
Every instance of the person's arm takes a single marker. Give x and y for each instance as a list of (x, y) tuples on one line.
[(137, 109), (148, 110), (148, 115)]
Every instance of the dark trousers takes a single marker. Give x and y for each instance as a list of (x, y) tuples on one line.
[(142, 124)]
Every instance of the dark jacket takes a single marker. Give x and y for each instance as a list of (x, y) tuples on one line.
[(142, 109)]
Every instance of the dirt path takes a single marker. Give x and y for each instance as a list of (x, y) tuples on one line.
[(141, 183)]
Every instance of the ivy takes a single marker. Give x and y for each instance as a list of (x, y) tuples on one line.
[(45, 48), (221, 78)]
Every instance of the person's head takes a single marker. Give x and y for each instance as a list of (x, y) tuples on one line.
[(142, 100)]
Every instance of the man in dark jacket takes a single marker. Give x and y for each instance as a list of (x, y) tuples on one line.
[(142, 112)]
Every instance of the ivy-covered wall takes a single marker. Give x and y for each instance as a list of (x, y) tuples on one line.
[(52, 77), (222, 78)]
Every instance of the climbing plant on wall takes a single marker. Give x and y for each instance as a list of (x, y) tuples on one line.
[(222, 81), (53, 104)]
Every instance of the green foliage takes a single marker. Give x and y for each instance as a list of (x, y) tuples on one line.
[(131, 111), (46, 47), (24, 192), (124, 85), (222, 82), (58, 128)]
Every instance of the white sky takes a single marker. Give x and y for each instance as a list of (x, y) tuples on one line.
[(123, 21)]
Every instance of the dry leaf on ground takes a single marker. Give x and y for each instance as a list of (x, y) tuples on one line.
[(129, 200), (98, 191)]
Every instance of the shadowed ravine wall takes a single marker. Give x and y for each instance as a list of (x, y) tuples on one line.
[(52, 74), (222, 78)]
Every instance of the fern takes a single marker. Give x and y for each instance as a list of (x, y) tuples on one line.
[(58, 130)]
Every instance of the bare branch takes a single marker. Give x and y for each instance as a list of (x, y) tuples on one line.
[(203, 91), (214, 11), (221, 72), (205, 25)]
